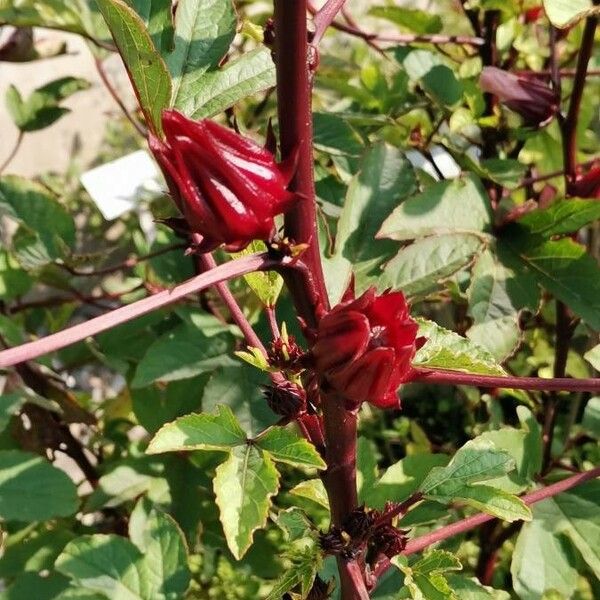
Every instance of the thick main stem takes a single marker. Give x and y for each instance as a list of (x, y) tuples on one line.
[(294, 92)]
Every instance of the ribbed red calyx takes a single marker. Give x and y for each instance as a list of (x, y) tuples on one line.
[(364, 347), (228, 187), (587, 185)]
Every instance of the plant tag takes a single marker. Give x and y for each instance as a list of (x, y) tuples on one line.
[(121, 185)]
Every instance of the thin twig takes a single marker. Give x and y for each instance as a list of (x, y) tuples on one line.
[(111, 90), (13, 152), (129, 263)]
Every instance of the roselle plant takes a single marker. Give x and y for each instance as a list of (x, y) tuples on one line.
[(355, 354)]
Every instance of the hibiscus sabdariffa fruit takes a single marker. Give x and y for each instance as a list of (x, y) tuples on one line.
[(228, 187), (364, 347)]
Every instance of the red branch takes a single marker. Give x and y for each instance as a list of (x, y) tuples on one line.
[(469, 523), (56, 341), (563, 384)]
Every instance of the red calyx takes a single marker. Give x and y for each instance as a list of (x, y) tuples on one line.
[(228, 187), (529, 97), (588, 185), (364, 347)]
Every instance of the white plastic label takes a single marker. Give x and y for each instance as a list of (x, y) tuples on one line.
[(119, 186)]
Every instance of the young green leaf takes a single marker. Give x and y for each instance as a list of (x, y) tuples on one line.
[(244, 485), (283, 445), (219, 431), (566, 13), (445, 349)]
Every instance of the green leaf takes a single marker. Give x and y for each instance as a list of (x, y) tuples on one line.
[(566, 13), (591, 416), (485, 499), (506, 172), (366, 467), (457, 206), (419, 269), (146, 68), (561, 217), (204, 30), (239, 388), (580, 521), (157, 17), (31, 489), (41, 108), (107, 564), (66, 15), (541, 560), (183, 353), (244, 485), (403, 478), (435, 77), (153, 567), (294, 523), (334, 135), (266, 285), (496, 295), (563, 267), (445, 349), (158, 404), (219, 431), (31, 585), (284, 445), (533, 451), (312, 489), (10, 404), (417, 21), (425, 579), (302, 574), (49, 227), (218, 90), (470, 589), (385, 178), (593, 357), (162, 544), (478, 460), (14, 281)]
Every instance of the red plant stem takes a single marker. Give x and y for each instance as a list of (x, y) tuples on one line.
[(563, 384), (294, 91), (469, 523), (51, 343), (569, 130), (208, 263), (324, 17)]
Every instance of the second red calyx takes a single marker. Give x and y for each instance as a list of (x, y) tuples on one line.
[(364, 348)]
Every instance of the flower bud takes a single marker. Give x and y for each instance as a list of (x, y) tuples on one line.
[(358, 523), (285, 399), (228, 188), (364, 347), (588, 185), (529, 97), (388, 540)]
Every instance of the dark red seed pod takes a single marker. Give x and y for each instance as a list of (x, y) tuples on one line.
[(285, 399), (358, 523), (587, 185), (388, 540), (332, 542)]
